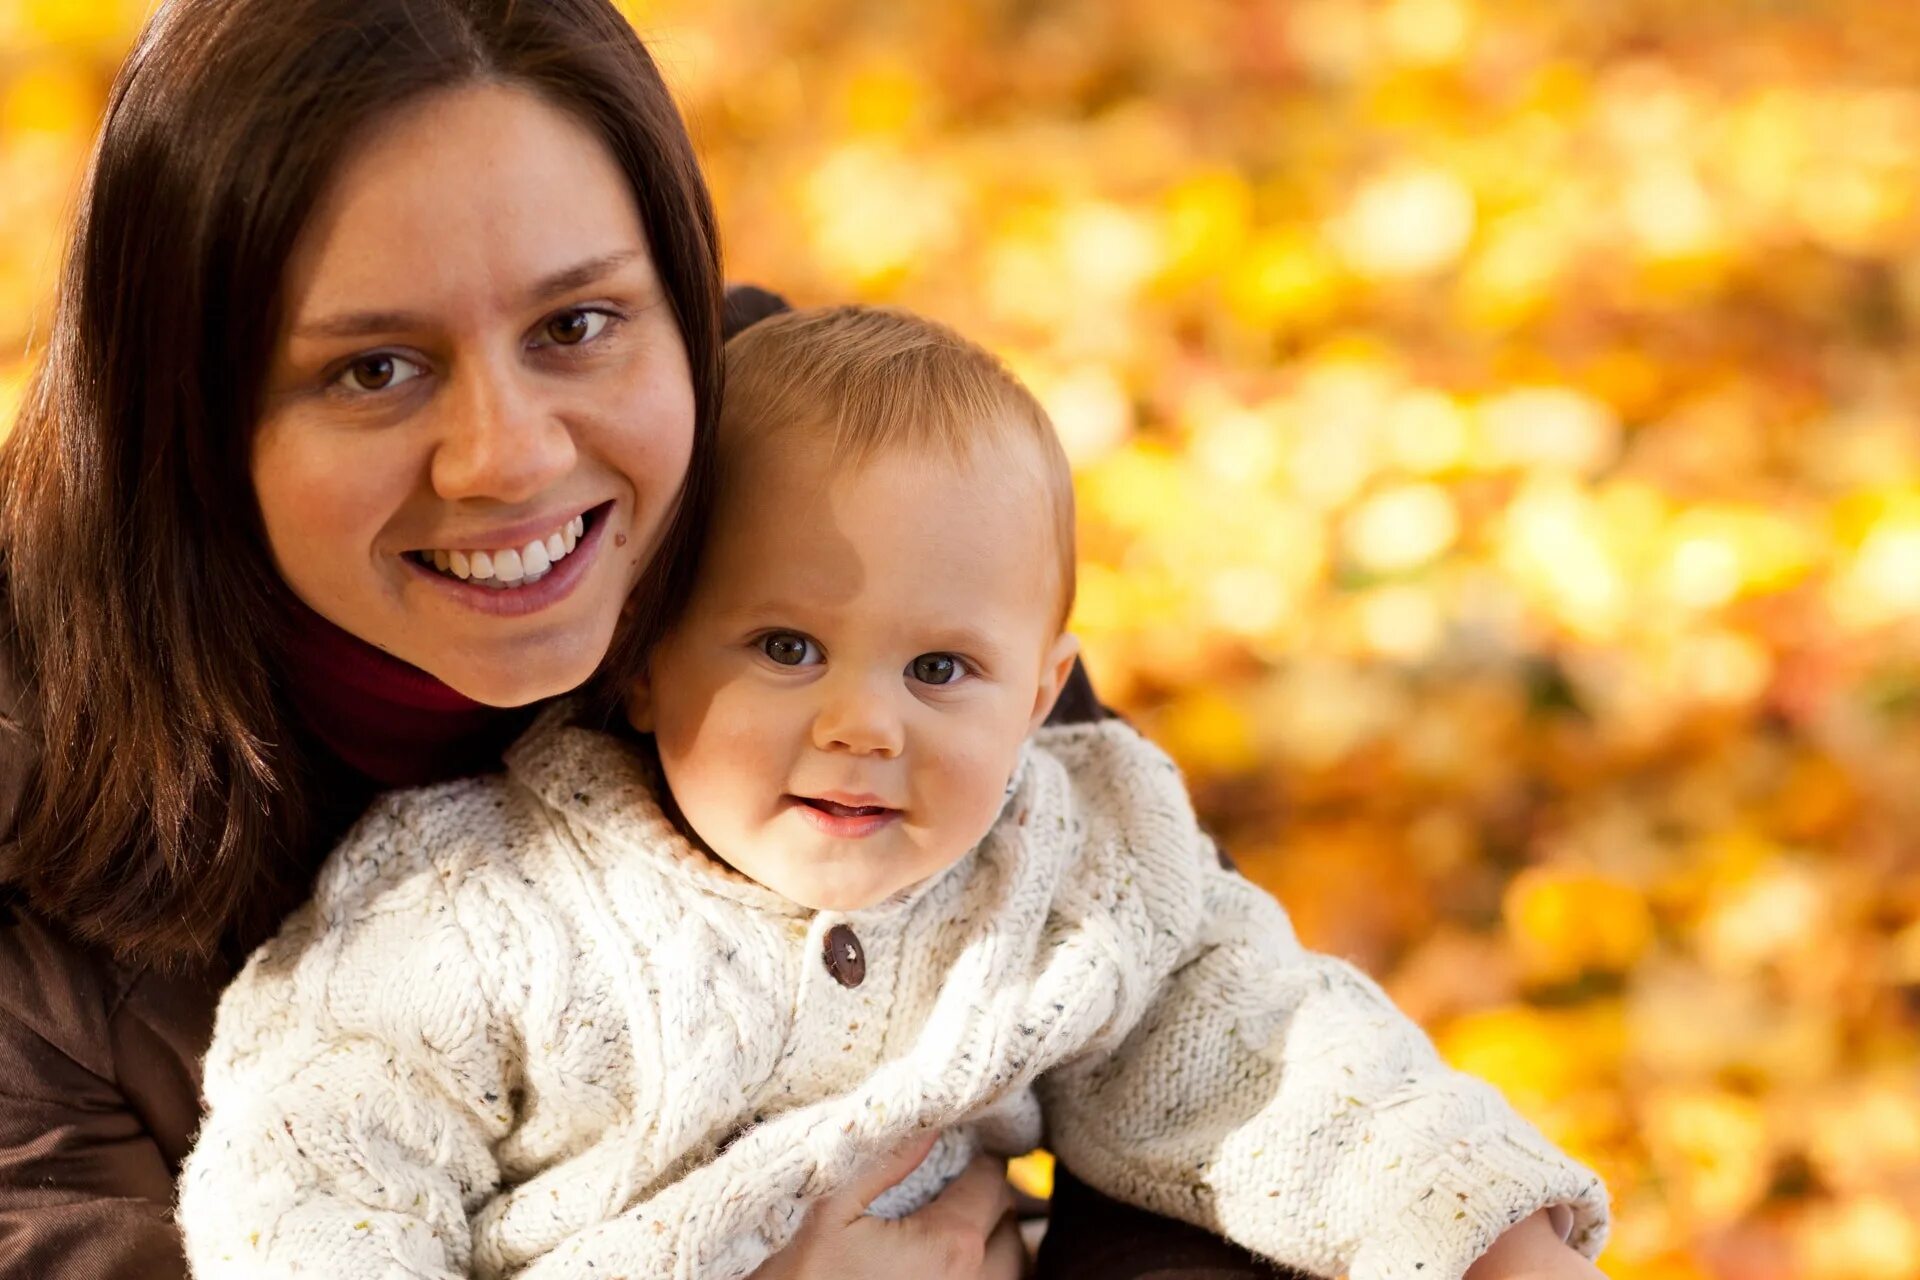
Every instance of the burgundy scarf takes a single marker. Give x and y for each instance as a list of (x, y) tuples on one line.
[(385, 718)]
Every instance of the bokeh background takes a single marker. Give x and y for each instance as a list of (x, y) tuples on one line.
[(1498, 434)]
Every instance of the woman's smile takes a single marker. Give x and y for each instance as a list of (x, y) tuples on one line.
[(500, 560), (515, 581)]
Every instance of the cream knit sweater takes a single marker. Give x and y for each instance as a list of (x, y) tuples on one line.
[(523, 1029)]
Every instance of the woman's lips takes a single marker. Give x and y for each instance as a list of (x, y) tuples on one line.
[(846, 821), (556, 585)]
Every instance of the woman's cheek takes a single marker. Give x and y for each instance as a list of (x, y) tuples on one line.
[(323, 503), (648, 436)]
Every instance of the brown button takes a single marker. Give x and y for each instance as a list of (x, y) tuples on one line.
[(845, 960)]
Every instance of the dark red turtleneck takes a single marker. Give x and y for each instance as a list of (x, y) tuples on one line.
[(387, 719)]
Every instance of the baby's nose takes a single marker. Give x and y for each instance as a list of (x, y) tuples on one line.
[(861, 721)]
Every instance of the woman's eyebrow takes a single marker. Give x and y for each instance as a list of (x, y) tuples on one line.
[(363, 324), (360, 324), (581, 274)]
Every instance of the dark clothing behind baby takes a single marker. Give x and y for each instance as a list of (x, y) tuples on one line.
[(1094, 1238)]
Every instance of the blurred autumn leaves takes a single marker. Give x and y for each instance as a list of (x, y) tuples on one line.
[(1498, 434)]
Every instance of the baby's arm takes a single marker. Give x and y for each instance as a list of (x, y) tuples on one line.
[(1276, 1096), (355, 1086)]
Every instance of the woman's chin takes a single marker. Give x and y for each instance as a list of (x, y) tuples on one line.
[(510, 681)]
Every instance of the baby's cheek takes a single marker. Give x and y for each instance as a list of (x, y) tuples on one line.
[(717, 777), (711, 748), (971, 786)]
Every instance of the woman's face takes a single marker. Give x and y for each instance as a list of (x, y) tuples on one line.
[(479, 412)]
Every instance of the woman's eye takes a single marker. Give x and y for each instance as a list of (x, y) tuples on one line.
[(936, 668), (571, 328), (378, 373), (789, 649)]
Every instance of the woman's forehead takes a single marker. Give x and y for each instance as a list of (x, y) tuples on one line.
[(476, 196)]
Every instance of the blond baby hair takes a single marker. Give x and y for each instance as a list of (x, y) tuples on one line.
[(875, 380)]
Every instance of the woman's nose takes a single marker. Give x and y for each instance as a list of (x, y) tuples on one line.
[(499, 438), (858, 718)]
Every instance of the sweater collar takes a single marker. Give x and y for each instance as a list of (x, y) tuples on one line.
[(384, 718)]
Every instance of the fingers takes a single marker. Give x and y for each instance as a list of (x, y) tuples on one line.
[(967, 1232), (1006, 1257), (974, 1201), (860, 1191)]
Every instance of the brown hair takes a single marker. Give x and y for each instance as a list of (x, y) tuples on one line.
[(168, 800), (878, 379)]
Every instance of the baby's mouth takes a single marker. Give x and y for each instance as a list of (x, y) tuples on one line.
[(842, 820), (838, 810)]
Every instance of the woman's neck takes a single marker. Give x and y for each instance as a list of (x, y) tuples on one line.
[(387, 719)]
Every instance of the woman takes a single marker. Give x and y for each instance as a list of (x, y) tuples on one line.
[(383, 374)]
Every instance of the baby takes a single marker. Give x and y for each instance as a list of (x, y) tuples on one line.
[(629, 1009)]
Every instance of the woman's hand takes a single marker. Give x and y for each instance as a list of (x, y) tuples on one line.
[(967, 1232)]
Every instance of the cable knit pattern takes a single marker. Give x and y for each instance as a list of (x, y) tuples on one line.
[(523, 1029)]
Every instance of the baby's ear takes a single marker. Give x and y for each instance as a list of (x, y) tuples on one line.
[(1055, 668), (639, 702)]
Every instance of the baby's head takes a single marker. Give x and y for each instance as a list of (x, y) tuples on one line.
[(879, 617)]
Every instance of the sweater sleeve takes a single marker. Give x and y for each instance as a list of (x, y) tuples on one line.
[(1277, 1097), (357, 1084)]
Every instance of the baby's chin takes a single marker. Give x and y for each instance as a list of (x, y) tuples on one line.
[(838, 899), (838, 878), (838, 895)]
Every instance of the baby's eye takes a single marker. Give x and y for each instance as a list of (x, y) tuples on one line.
[(377, 372), (790, 649), (574, 327), (936, 668)]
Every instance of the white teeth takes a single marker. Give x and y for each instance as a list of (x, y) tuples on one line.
[(510, 566)]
